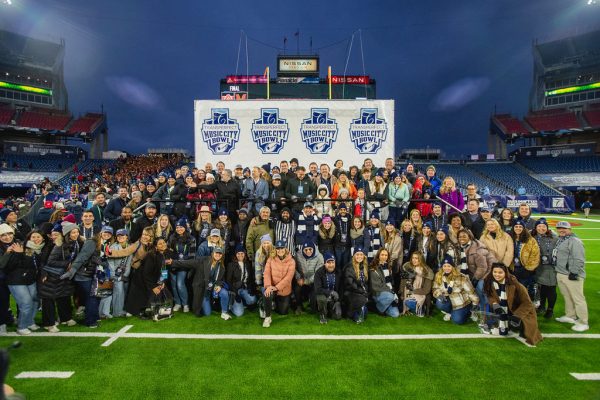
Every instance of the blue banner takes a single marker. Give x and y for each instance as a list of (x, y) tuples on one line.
[(540, 204)]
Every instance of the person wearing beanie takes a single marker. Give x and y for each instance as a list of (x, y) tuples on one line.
[(120, 270), (148, 219), (437, 218), (356, 286), (454, 294), (20, 226), (526, 256), (258, 227), (307, 225), (326, 289), (374, 235), (569, 261), (285, 229), (308, 260), (327, 233), (278, 276), (509, 300), (214, 240), (260, 260), (545, 274), (11, 255), (424, 241), (182, 244), (240, 227), (277, 200), (343, 224), (239, 276), (223, 224)]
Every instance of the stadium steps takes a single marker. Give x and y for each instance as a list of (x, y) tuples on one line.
[(496, 181), (531, 173)]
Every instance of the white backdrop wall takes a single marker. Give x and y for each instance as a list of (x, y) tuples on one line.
[(255, 132)]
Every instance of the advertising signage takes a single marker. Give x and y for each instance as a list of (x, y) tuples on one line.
[(297, 66), (350, 79)]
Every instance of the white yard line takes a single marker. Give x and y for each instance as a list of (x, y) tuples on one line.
[(117, 335), (522, 340), (196, 336), (586, 377), (561, 217), (588, 239), (45, 374)]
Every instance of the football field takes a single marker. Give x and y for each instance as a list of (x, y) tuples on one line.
[(409, 357)]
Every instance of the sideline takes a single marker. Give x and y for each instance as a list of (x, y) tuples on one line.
[(44, 374), (586, 377)]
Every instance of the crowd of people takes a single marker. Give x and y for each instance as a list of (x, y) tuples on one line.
[(340, 243)]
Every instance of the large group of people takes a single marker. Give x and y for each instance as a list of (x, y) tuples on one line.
[(340, 243)]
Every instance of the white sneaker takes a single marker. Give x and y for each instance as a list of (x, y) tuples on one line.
[(33, 327), (225, 316), (23, 331), (70, 322), (261, 312), (177, 307), (566, 320), (3, 329), (267, 322), (447, 317), (186, 309), (474, 317), (128, 315), (580, 327), (52, 329), (80, 310)]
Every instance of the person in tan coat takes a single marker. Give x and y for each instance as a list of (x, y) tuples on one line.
[(527, 256), (279, 272), (498, 242), (510, 301)]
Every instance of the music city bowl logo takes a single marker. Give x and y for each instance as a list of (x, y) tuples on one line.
[(368, 132), (270, 132), (319, 132), (219, 132)]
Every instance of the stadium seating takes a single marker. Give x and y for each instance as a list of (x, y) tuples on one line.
[(592, 117), (84, 167), (6, 115), (463, 175), (548, 165), (511, 125), (38, 120), (514, 177), (30, 163), (87, 123), (552, 120)]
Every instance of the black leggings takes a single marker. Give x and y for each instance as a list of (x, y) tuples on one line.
[(547, 292), (282, 304)]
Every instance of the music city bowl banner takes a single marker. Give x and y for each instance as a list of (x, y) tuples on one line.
[(255, 132)]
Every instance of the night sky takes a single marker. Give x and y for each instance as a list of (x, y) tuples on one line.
[(448, 65)]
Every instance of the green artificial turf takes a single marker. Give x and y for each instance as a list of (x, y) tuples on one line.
[(307, 369)]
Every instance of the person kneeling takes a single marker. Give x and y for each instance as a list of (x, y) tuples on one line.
[(454, 294), (207, 283), (511, 302), (380, 285), (327, 288), (240, 279), (355, 286), (279, 272)]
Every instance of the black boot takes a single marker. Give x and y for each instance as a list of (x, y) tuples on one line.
[(549, 314)]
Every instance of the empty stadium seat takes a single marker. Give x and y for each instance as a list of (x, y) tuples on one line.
[(548, 165), (32, 119), (514, 177), (511, 125), (31, 163), (6, 115), (87, 123), (463, 175), (552, 120)]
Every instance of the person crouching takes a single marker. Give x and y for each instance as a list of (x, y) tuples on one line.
[(278, 275), (454, 294), (327, 282)]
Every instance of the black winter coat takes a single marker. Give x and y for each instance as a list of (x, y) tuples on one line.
[(320, 283), (233, 277)]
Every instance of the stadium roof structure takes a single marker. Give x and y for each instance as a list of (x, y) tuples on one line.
[(576, 49), (18, 49)]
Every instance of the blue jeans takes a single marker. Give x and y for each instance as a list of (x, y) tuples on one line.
[(411, 304), (238, 306), (180, 293), (481, 295), (27, 301), (118, 298), (342, 256), (92, 303), (207, 302), (383, 302), (458, 316)]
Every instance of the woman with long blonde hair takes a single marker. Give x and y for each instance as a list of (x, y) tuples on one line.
[(417, 221), (451, 195), (498, 242), (163, 227)]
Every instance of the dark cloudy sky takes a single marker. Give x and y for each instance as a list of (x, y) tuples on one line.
[(447, 64)]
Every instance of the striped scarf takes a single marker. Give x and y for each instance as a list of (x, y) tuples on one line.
[(500, 289), (303, 222), (464, 268), (387, 275), (375, 241), (286, 231)]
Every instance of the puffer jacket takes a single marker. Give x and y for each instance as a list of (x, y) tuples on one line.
[(529, 256), (501, 247), (479, 260), (279, 273), (306, 267)]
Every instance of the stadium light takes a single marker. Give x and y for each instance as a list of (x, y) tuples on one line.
[(592, 2), (7, 2)]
